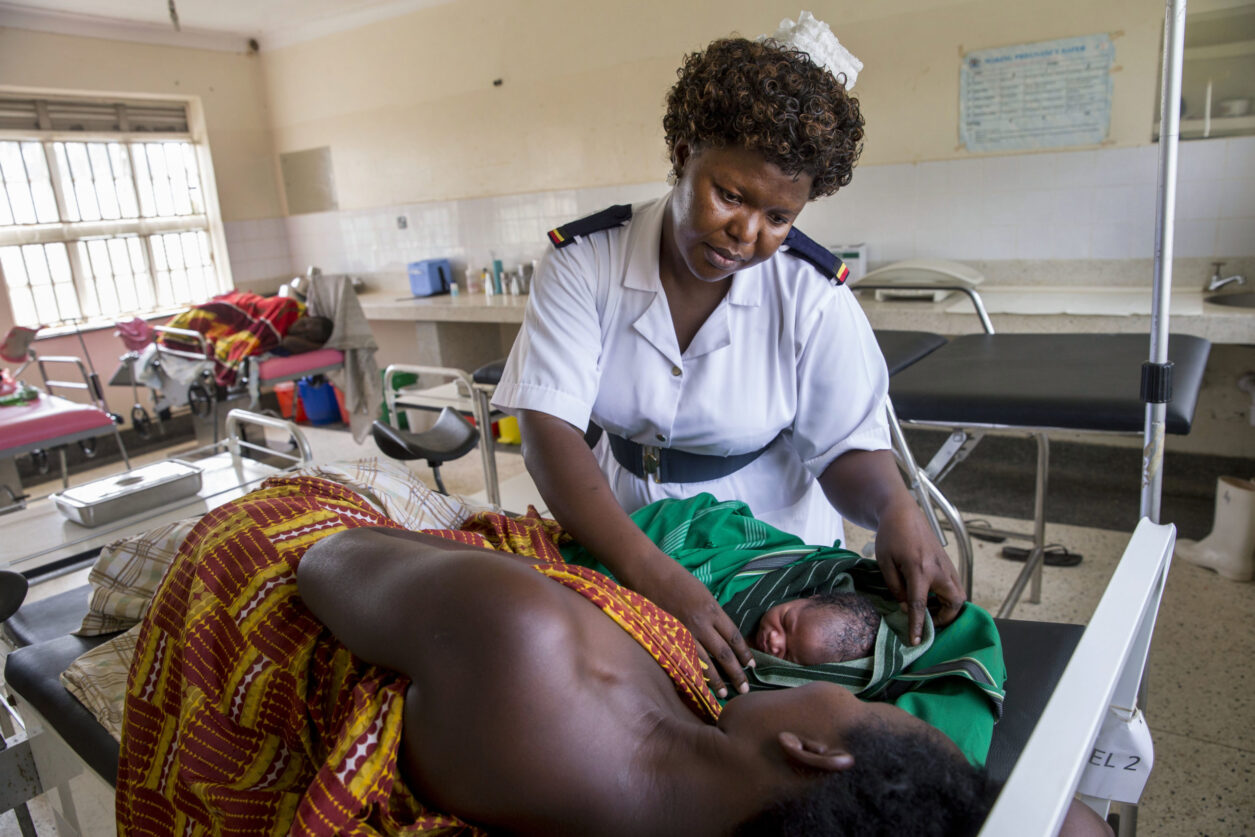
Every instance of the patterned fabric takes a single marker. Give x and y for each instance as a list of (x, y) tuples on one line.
[(98, 679), (126, 575), (396, 492), (128, 571), (245, 716), (236, 324)]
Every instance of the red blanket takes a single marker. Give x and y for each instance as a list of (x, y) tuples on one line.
[(236, 324)]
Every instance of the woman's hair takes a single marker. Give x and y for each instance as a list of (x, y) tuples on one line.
[(767, 97), (901, 783)]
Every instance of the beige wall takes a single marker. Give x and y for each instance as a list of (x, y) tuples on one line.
[(228, 86), (410, 112)]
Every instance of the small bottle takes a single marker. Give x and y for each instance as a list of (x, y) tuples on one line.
[(473, 285), (487, 278)]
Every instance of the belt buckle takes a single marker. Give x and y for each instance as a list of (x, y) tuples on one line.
[(651, 459)]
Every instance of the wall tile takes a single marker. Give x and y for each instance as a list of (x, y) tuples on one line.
[(1201, 160), (1240, 157), (1198, 198), (1237, 199), (1194, 238), (1234, 238), (1082, 204), (1126, 166)]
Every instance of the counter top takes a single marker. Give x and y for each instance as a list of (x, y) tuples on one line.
[(1034, 309), (464, 308), (1013, 309)]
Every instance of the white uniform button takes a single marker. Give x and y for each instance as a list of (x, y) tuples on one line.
[(675, 370)]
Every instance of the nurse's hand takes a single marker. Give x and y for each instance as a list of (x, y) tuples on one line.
[(721, 648), (913, 564)]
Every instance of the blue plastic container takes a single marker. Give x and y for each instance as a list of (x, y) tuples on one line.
[(430, 277), (318, 397)]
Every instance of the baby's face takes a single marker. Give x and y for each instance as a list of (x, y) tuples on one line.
[(795, 631)]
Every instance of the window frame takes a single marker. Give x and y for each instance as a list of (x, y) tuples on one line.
[(70, 233)]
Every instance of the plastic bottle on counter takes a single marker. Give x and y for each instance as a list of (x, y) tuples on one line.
[(474, 284), (488, 284)]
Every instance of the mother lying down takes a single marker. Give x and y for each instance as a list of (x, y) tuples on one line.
[(309, 666)]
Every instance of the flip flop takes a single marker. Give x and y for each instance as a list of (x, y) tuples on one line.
[(1056, 556)]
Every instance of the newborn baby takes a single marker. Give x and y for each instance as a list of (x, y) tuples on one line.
[(827, 628)]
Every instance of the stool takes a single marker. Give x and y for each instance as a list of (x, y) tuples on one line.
[(451, 437)]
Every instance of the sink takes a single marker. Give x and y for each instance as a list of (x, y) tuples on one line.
[(1242, 300)]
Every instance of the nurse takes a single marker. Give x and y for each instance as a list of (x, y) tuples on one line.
[(717, 348)]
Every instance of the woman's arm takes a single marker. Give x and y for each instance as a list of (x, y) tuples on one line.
[(867, 488), (365, 584), (578, 496)]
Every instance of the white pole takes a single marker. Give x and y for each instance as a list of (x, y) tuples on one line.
[(1157, 369)]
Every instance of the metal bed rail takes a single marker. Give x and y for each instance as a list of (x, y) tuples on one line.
[(1101, 679)]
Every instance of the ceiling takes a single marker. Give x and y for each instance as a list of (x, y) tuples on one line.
[(213, 24)]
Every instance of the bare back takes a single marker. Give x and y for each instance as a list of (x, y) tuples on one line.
[(527, 705)]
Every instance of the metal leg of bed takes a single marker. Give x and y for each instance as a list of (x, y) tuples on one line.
[(931, 500), (954, 450)]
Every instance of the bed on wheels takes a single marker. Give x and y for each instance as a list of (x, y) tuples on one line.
[(1062, 681)]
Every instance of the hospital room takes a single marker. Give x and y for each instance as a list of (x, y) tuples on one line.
[(885, 372)]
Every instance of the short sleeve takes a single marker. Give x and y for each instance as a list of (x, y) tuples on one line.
[(554, 366), (842, 384)]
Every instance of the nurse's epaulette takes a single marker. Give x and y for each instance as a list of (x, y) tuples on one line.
[(615, 216), (805, 247)]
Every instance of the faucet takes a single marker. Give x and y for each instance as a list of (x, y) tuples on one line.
[(1216, 283)]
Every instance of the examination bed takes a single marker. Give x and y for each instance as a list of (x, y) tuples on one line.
[(52, 421), (1038, 383), (62, 732)]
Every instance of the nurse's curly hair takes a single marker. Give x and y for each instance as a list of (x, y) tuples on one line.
[(770, 98)]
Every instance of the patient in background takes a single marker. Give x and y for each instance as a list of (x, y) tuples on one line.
[(826, 628)]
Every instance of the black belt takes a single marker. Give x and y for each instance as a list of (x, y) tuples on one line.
[(671, 465)]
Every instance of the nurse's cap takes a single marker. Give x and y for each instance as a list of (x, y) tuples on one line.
[(615, 216), (815, 38)]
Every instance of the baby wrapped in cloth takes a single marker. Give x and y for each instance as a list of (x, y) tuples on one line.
[(953, 679)]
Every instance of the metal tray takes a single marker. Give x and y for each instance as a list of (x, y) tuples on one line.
[(131, 492)]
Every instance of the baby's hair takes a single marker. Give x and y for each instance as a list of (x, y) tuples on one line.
[(852, 634)]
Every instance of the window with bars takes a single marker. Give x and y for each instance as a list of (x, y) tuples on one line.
[(102, 211)]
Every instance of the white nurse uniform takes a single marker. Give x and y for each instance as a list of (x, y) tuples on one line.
[(786, 360)]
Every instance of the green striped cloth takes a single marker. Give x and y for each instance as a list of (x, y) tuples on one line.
[(953, 679)]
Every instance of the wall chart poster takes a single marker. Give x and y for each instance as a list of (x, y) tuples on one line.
[(1043, 95)]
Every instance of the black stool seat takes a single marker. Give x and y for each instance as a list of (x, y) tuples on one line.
[(34, 673), (489, 373), (450, 437), (902, 348), (13, 588), (1035, 653), (1069, 381), (48, 618)]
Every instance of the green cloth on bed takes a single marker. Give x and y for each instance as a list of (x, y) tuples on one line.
[(953, 679)]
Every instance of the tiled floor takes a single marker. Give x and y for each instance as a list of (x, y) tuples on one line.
[(1201, 671)]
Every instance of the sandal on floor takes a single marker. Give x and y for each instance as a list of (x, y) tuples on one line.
[(1056, 555)]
